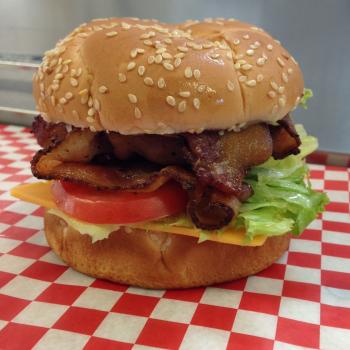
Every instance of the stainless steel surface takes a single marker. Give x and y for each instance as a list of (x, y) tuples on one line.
[(18, 65), (316, 32)]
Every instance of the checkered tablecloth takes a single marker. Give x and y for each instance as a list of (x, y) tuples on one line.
[(301, 301)]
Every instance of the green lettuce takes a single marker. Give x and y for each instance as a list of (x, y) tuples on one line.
[(283, 200), (306, 96)]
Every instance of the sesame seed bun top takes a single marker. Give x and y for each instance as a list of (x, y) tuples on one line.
[(142, 76)]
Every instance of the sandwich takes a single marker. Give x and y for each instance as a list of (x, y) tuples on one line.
[(169, 157)]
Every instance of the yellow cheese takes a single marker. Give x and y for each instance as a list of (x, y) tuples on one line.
[(40, 193)]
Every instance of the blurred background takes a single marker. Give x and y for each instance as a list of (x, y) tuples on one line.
[(316, 32)]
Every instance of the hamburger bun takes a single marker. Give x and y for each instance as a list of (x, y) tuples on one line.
[(140, 76), (156, 259)]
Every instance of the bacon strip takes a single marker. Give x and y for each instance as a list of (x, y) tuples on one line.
[(285, 138), (48, 134), (222, 161)]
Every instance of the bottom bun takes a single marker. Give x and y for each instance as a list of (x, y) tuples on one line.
[(159, 260)]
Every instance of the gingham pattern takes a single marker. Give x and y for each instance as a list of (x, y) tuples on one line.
[(301, 301)]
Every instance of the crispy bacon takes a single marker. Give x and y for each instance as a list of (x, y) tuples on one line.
[(48, 134), (168, 149), (222, 161), (285, 138)]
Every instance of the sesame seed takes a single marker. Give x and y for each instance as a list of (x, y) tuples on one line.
[(250, 52), (158, 59), (179, 55), (97, 104), (132, 98), (185, 93), (271, 94), (65, 68), (236, 41), (92, 128), (90, 102), (230, 85), (131, 65), (285, 77), (148, 42), (182, 48), (246, 36), (251, 83), (141, 70), (122, 77), (91, 112), (196, 103), (293, 59), (177, 62), (133, 53), (282, 101), (242, 78), (74, 82), (269, 47), (198, 47), (68, 95), (260, 78), (111, 34), (237, 66), (247, 66), (161, 83), (150, 59), (90, 120), (79, 71), (168, 66), (182, 106), (167, 55), (59, 76), (168, 40), (280, 62), (281, 90), (197, 73), (290, 71), (274, 85), (188, 72), (126, 25), (260, 61), (137, 113), (102, 89), (171, 100), (161, 50), (83, 35), (148, 81)]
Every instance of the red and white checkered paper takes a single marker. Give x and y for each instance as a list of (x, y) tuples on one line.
[(301, 301)]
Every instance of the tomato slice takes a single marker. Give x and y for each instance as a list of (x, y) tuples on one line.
[(118, 207)]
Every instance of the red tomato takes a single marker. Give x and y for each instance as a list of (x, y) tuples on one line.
[(118, 207)]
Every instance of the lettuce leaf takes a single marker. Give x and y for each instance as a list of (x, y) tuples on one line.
[(283, 200), (306, 96)]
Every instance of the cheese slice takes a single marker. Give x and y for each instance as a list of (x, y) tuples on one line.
[(40, 193)]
